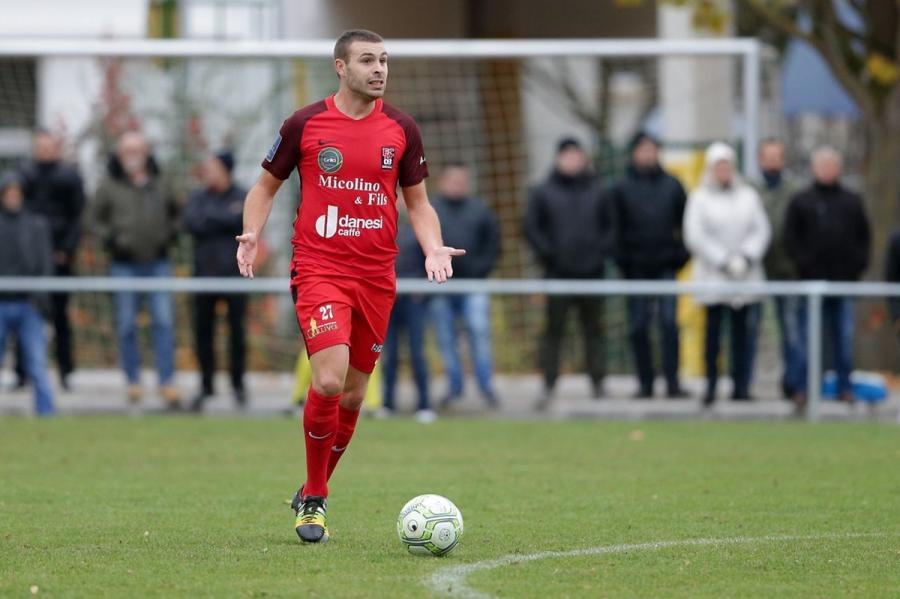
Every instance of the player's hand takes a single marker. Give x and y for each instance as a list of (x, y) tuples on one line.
[(246, 253), (437, 263)]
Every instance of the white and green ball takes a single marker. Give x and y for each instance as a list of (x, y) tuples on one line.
[(430, 525)]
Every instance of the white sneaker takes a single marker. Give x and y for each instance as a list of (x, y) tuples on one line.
[(426, 416)]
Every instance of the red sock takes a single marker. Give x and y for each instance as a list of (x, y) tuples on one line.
[(320, 423), (346, 425)]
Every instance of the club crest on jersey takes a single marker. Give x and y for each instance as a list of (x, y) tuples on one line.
[(330, 160), (387, 157)]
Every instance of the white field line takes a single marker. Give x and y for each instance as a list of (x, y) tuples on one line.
[(451, 581)]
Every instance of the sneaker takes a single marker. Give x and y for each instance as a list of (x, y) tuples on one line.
[(171, 397), (677, 393), (240, 399), (199, 401), (310, 524), (425, 416), (134, 393)]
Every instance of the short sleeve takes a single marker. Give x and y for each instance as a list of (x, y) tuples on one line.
[(413, 167), (284, 155)]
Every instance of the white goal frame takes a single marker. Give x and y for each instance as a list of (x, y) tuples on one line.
[(748, 49)]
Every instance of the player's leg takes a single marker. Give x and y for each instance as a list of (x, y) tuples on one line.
[(371, 315), (355, 387), (320, 418)]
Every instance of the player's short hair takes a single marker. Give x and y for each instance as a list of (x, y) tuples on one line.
[(771, 141), (342, 45)]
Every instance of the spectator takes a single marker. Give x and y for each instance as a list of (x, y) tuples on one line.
[(213, 217), (468, 223), (567, 225), (776, 192), (727, 233), (53, 189), (410, 316), (892, 275), (828, 238), (647, 214), (135, 216), (26, 251)]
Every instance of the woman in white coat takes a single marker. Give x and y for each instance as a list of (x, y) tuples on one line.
[(727, 232)]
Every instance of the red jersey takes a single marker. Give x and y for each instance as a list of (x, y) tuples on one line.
[(349, 171)]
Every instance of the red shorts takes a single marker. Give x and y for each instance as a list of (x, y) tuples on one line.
[(337, 310)]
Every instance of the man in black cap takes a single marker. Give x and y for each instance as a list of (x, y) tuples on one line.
[(567, 225), (26, 251), (213, 217), (647, 210)]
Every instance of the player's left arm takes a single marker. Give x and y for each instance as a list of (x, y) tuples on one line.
[(427, 227)]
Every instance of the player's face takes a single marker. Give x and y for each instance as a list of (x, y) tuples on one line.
[(366, 70)]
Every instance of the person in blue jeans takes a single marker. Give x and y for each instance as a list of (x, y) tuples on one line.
[(409, 315), (467, 221), (136, 217), (26, 251), (828, 237)]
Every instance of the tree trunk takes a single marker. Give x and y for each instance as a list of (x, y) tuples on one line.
[(876, 345)]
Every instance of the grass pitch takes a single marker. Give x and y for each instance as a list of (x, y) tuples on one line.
[(183, 507)]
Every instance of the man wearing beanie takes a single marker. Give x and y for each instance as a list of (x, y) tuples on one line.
[(647, 210), (567, 225), (26, 251), (213, 217)]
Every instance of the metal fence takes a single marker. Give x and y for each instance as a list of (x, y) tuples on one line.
[(814, 293)]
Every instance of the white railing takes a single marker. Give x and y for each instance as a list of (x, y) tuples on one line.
[(813, 291)]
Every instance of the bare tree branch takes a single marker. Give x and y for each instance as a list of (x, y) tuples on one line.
[(777, 20)]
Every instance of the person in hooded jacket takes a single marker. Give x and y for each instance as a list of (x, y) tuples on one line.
[(214, 217), (567, 225), (727, 232), (647, 210), (136, 217), (26, 251)]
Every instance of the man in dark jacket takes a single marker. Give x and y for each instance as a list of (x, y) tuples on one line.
[(827, 235), (466, 222), (53, 189), (776, 192), (26, 251), (567, 225), (213, 217), (136, 217), (409, 316), (647, 210)]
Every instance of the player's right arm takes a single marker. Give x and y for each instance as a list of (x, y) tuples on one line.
[(257, 207)]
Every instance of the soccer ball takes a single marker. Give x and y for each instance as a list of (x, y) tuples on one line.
[(429, 525)]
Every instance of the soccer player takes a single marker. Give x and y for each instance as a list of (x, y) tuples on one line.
[(351, 150)]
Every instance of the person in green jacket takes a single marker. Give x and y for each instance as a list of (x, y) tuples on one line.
[(776, 191), (136, 216)]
